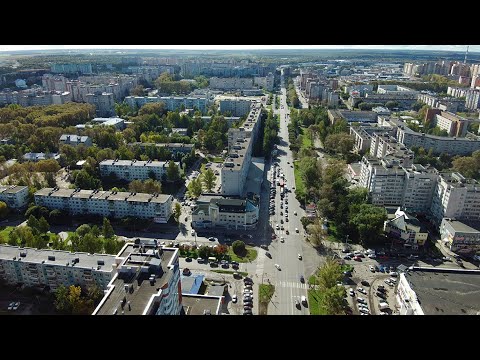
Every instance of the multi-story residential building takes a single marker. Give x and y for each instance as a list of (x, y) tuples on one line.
[(359, 89), (438, 144), (380, 110), (172, 103), (75, 140), (454, 125), (383, 144), (395, 89), (72, 68), (455, 197), (472, 99), (134, 169), (352, 116), (457, 91), (40, 156), (267, 82), (172, 147), (230, 119), (230, 83), (236, 107), (113, 204), (216, 211), (53, 268), (389, 183), (16, 197), (104, 103), (240, 143), (460, 237), (146, 281), (180, 131), (405, 99), (362, 139), (405, 229), (54, 82)]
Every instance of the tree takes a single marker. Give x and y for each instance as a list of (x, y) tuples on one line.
[(333, 300), (33, 223), (173, 172), (177, 212), (4, 210), (110, 245), (91, 244), (83, 230), (56, 217), (107, 229), (329, 274), (61, 299), (238, 247), (43, 225), (316, 233), (468, 166), (151, 186), (139, 90), (195, 188), (209, 179), (341, 143), (369, 221)]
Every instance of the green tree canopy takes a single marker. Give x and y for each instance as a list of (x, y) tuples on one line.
[(208, 178)]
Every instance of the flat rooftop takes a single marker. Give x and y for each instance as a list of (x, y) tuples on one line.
[(465, 227), (140, 270), (446, 293), (13, 189), (134, 163), (104, 195), (38, 256), (199, 304)]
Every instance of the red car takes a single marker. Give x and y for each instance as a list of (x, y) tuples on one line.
[(357, 258), (274, 236)]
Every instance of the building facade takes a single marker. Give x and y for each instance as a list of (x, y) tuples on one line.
[(172, 103), (236, 107), (134, 169), (221, 212), (406, 230), (53, 268), (460, 237), (16, 197), (104, 103), (114, 204)]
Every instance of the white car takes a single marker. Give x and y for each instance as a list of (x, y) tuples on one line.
[(362, 290), (234, 298), (192, 232), (372, 269), (299, 257), (295, 213), (11, 305), (277, 227), (351, 292), (282, 239), (16, 306), (296, 230), (393, 273), (277, 266)]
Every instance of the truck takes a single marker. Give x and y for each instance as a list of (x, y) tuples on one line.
[(383, 305)]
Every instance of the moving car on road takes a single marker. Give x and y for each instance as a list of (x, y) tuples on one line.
[(277, 266)]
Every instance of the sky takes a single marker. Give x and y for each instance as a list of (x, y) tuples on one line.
[(473, 48)]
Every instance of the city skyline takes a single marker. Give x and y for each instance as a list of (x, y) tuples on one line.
[(472, 48)]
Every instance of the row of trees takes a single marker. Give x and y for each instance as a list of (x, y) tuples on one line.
[(167, 85), (73, 300), (292, 97), (330, 296)]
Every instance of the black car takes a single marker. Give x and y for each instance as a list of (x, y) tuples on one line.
[(365, 283), (381, 295), (302, 279)]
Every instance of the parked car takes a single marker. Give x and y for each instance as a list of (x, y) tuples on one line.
[(16, 306), (372, 269), (234, 298), (362, 290), (277, 266), (365, 283), (299, 257)]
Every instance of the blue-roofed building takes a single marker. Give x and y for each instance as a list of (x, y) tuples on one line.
[(191, 284)]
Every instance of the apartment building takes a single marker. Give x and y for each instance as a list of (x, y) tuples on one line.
[(114, 204), (174, 148), (460, 237), (236, 107), (352, 116), (266, 82), (472, 99), (104, 103), (53, 268), (395, 89), (390, 183), (438, 144), (75, 140), (216, 211), (134, 169), (455, 197), (230, 83), (405, 229), (54, 82), (405, 99), (117, 122), (383, 144), (16, 197), (454, 125), (172, 103), (71, 68), (240, 143), (146, 281)]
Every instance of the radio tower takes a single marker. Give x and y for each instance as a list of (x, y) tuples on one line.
[(466, 54)]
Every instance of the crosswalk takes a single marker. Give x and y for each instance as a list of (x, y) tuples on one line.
[(291, 284)]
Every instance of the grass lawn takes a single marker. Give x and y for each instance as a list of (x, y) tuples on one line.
[(215, 159), (299, 185), (265, 293), (313, 305), (5, 232), (243, 273), (312, 280), (250, 256), (306, 141)]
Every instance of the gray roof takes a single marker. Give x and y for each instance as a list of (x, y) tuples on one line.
[(446, 293), (12, 189), (142, 290), (86, 260), (462, 227), (74, 138), (136, 163), (198, 304)]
